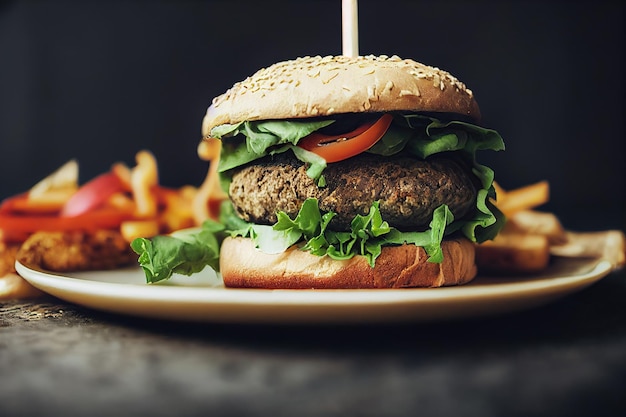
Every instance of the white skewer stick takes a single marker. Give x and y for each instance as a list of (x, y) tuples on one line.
[(350, 28)]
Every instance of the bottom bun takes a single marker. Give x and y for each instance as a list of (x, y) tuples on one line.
[(243, 265)]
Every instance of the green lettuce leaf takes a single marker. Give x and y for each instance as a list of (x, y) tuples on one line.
[(260, 137), (434, 136), (367, 235), (184, 252)]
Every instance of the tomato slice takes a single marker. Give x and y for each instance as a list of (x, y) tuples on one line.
[(335, 148), (92, 194)]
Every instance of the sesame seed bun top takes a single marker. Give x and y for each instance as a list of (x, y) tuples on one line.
[(323, 86)]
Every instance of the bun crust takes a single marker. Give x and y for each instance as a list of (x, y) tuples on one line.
[(322, 86), (242, 265)]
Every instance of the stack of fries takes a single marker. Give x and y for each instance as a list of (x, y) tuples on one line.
[(127, 201), (531, 237)]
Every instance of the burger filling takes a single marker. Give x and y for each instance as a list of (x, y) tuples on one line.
[(388, 180)]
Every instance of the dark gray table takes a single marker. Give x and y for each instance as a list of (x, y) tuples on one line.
[(565, 359)]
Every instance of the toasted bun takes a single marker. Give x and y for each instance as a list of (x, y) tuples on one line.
[(322, 86), (242, 265)]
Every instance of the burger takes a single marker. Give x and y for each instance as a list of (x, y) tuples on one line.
[(352, 172)]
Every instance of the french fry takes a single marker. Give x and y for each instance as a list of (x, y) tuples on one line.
[(144, 178), (50, 194), (122, 202), (14, 286), (500, 192), (537, 223), (132, 229), (523, 245), (608, 245), (51, 199), (210, 195), (66, 177), (123, 172), (177, 213), (523, 198), (513, 253), (7, 256)]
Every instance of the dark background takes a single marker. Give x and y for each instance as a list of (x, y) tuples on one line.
[(100, 80)]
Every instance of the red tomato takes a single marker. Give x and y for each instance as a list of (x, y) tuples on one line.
[(92, 194), (15, 227), (23, 203), (14, 203), (334, 148)]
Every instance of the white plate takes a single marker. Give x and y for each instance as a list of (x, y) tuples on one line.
[(204, 298)]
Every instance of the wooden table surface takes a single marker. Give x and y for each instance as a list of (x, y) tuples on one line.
[(564, 359)]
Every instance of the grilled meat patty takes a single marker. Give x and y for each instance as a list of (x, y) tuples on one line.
[(408, 189)]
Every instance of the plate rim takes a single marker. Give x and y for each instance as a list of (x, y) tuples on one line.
[(96, 294)]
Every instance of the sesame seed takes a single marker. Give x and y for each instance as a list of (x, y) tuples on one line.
[(388, 87), (326, 78), (436, 80), (314, 72), (404, 93)]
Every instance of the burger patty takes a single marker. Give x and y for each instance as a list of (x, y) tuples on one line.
[(408, 189)]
